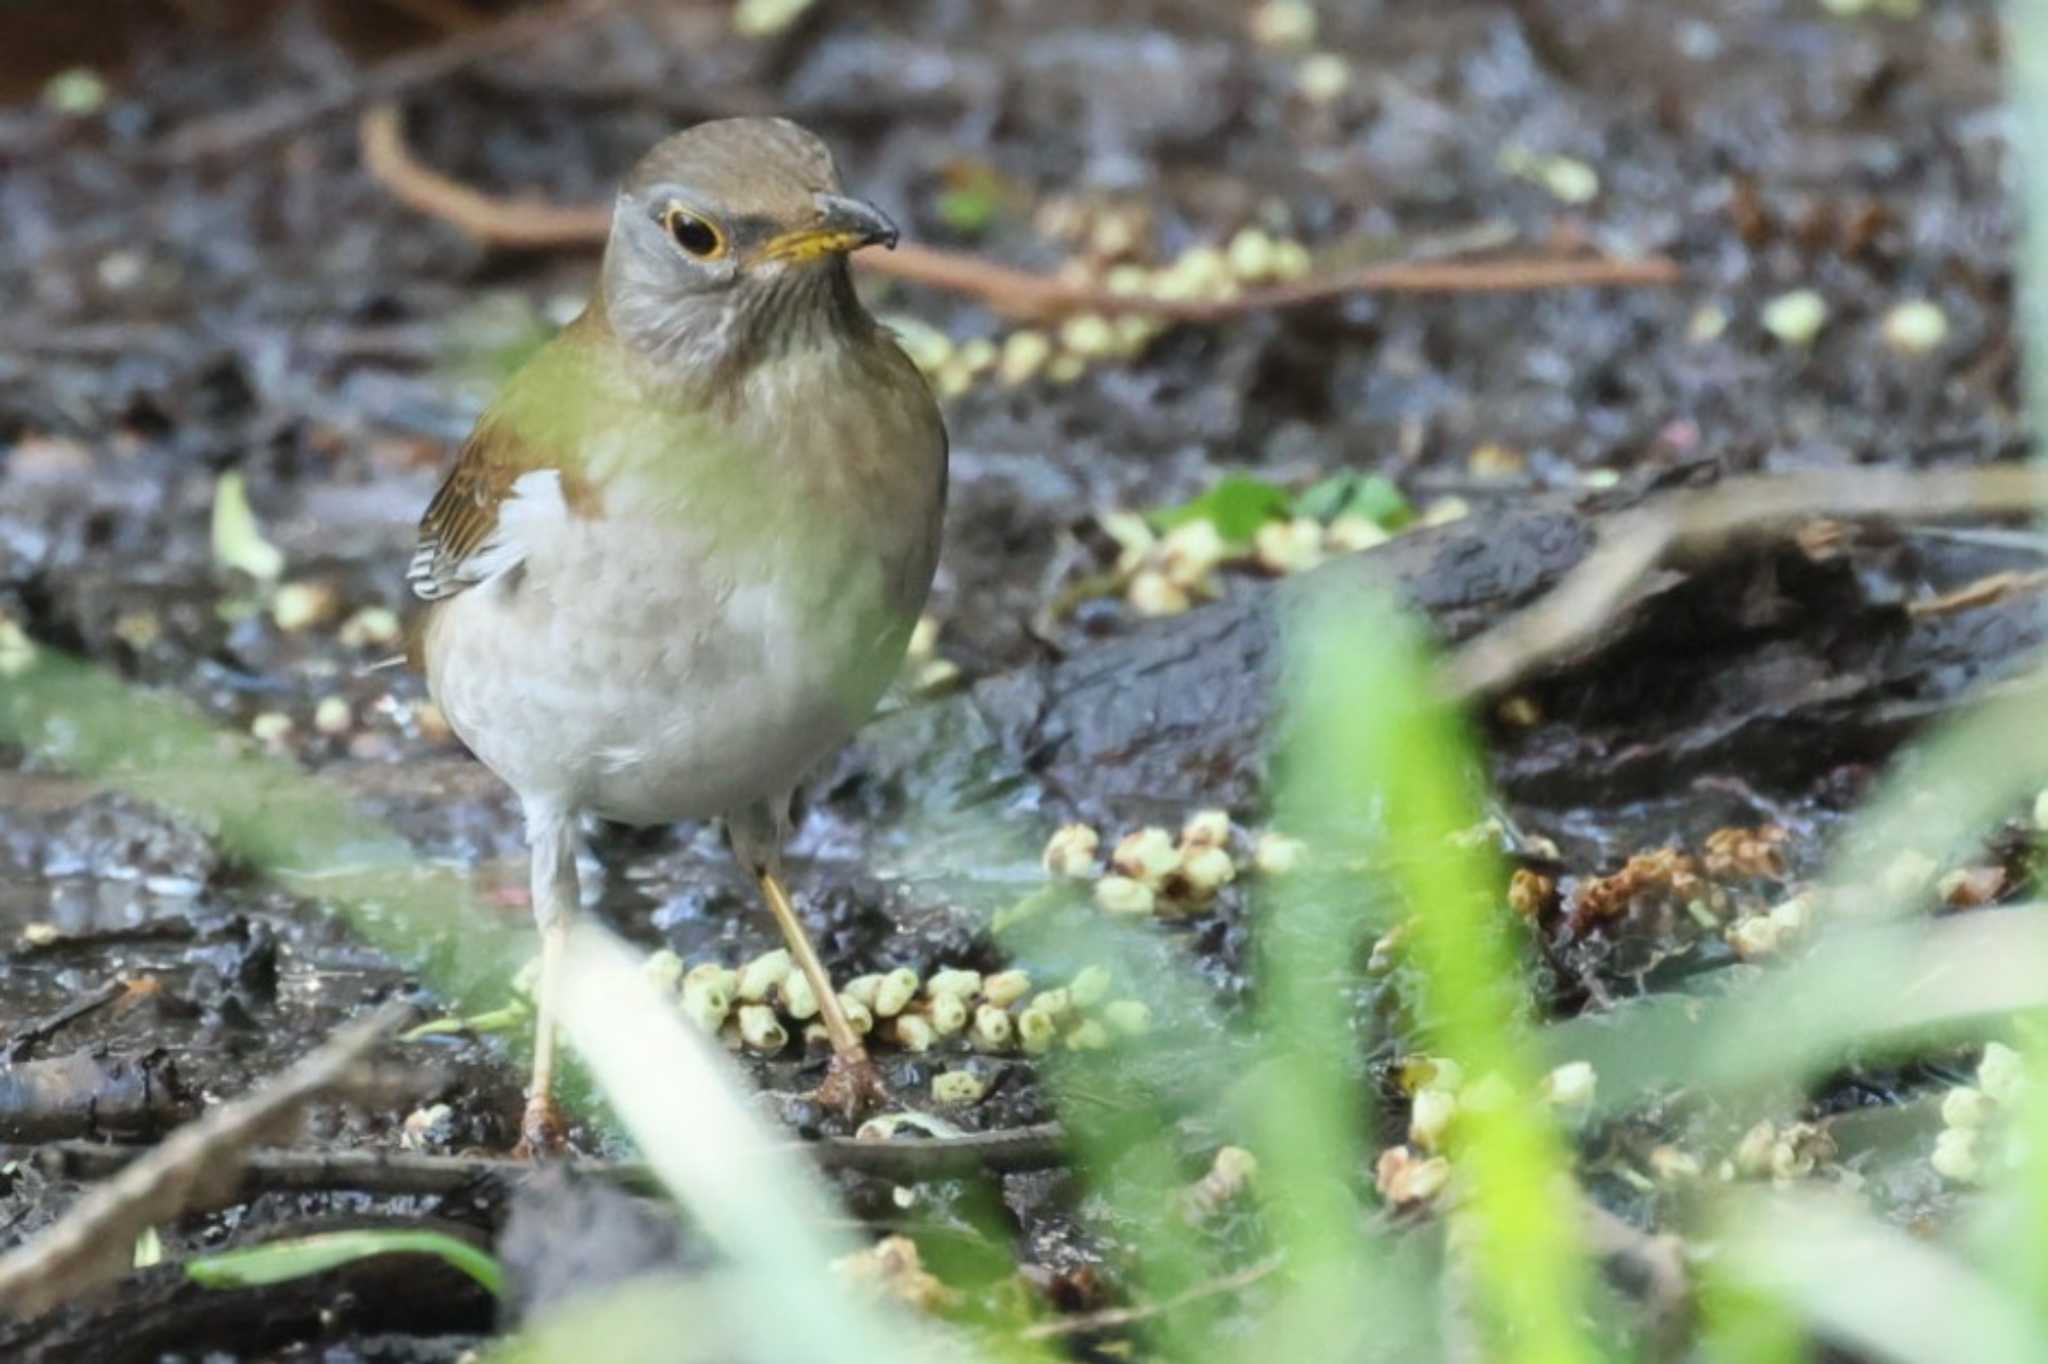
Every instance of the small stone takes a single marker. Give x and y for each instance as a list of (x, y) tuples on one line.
[(429, 1128), (1124, 895), (958, 1087), (1796, 318)]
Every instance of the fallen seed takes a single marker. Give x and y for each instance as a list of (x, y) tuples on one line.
[(895, 992), (761, 975), (760, 1029)]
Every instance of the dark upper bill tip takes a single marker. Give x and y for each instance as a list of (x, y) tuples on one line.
[(857, 218)]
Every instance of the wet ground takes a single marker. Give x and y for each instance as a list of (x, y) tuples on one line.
[(275, 313)]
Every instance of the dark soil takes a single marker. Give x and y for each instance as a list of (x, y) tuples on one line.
[(273, 312)]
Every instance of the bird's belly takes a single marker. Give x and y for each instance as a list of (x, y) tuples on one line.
[(645, 689)]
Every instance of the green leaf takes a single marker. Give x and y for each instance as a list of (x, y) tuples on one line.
[(237, 538), (1237, 506), (1373, 496), (280, 1261)]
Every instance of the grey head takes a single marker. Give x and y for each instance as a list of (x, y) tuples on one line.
[(729, 243)]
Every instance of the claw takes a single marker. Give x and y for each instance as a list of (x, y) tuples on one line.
[(852, 1086), (543, 1133)]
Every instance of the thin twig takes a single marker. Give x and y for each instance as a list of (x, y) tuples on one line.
[(42, 1029), (93, 1242), (1110, 1318), (401, 1173), (1596, 591), (522, 225), (241, 130)]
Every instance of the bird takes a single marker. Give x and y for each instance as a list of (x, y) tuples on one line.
[(680, 557)]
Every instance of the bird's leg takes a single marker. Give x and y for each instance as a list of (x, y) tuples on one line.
[(852, 1085), (551, 836)]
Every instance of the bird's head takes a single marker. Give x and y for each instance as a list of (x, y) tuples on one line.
[(729, 239)]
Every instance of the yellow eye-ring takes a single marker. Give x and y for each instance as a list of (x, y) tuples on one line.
[(696, 236)]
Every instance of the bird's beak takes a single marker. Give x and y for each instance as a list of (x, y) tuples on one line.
[(843, 224)]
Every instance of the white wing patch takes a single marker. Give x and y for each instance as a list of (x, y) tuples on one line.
[(531, 507)]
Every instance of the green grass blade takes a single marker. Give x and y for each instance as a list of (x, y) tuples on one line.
[(1369, 731), (282, 1261)]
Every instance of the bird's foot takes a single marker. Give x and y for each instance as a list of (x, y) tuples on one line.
[(543, 1132), (852, 1086)]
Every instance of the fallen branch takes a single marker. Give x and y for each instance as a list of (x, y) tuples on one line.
[(241, 130), (520, 224), (1600, 587), (401, 1173), (93, 1242)]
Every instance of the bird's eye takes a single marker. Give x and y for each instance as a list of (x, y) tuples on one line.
[(696, 236)]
